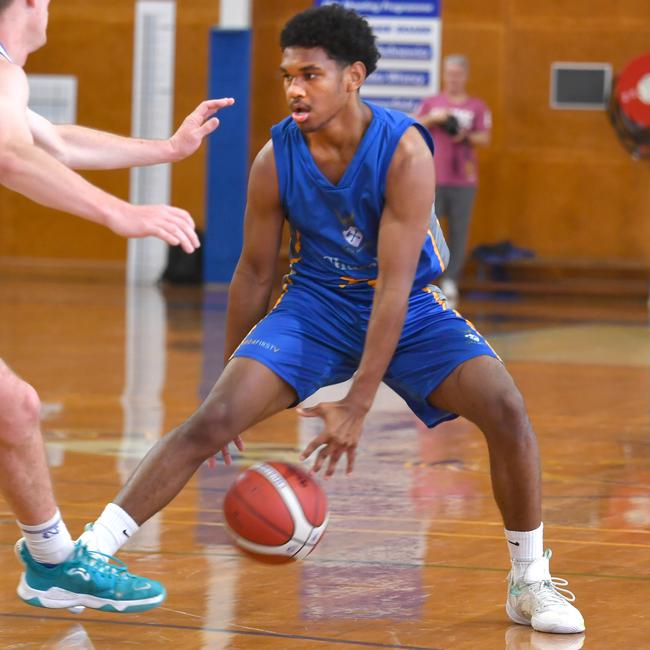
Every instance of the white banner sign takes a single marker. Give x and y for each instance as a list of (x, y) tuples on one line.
[(408, 37)]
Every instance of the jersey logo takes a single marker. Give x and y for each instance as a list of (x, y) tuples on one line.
[(353, 236)]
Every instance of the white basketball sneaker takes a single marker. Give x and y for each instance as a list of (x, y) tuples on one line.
[(538, 600)]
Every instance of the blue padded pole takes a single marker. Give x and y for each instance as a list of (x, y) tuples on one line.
[(227, 156)]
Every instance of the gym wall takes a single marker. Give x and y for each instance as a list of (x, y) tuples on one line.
[(555, 181), (94, 41), (558, 182)]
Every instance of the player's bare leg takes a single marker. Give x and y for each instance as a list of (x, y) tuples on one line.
[(483, 391), (52, 562), (246, 393), (24, 476)]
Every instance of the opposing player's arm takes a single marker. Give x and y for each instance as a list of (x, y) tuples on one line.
[(79, 147), (403, 228), (27, 169), (252, 282), (31, 171)]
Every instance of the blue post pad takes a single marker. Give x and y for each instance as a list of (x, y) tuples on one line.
[(227, 156)]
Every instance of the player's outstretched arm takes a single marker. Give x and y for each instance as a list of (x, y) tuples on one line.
[(34, 173), (252, 282), (403, 227), (83, 148), (79, 147)]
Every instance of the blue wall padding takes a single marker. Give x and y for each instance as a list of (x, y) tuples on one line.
[(227, 156)]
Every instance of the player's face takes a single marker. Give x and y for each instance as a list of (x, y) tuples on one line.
[(454, 77), (38, 22), (315, 86)]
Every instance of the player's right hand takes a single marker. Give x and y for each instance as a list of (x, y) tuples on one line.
[(225, 452), (172, 225)]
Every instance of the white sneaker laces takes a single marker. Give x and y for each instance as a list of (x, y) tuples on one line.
[(103, 563), (554, 592)]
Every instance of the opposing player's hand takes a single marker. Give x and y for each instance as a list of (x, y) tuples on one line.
[(196, 126), (172, 225), (341, 434)]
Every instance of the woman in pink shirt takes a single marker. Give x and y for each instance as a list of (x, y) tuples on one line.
[(457, 123)]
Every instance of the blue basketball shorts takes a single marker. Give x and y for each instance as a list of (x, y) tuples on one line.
[(315, 337)]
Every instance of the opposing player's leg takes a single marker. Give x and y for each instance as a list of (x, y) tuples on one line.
[(57, 573), (24, 476), (482, 390)]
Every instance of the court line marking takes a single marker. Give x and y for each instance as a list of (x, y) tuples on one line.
[(420, 533), (235, 555), (217, 630), (426, 520)]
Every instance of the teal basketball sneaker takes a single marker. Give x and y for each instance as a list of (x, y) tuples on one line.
[(86, 579)]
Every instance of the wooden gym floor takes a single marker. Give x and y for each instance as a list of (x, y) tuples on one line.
[(414, 556)]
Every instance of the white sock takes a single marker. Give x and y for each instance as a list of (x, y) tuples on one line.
[(49, 542), (111, 531), (525, 546)]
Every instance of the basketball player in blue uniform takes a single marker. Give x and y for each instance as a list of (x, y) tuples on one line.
[(37, 160), (354, 182)]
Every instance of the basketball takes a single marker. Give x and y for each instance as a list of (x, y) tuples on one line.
[(276, 509)]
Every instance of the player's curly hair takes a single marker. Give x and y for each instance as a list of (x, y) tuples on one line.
[(341, 32), (4, 4)]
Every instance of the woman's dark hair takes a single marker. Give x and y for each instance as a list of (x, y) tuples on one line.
[(341, 32)]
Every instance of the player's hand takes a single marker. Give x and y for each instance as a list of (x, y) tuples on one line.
[(172, 225), (225, 452), (196, 126), (341, 434)]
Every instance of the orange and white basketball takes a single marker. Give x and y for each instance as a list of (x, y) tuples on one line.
[(276, 509)]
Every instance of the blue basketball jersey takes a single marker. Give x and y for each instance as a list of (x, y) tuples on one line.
[(334, 228)]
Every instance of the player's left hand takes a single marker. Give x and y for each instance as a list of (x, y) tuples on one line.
[(225, 452), (196, 126), (341, 434)]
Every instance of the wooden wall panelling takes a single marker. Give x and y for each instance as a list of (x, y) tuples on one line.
[(93, 41), (194, 20), (269, 105), (555, 181), (268, 102)]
